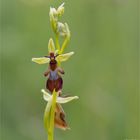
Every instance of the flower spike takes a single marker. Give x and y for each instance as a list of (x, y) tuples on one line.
[(54, 114)]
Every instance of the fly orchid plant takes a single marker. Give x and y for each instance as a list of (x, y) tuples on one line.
[(54, 114)]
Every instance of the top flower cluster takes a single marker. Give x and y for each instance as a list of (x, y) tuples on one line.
[(59, 28)]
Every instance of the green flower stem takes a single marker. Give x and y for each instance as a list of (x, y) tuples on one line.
[(53, 25), (64, 45), (58, 47), (47, 115), (57, 42), (52, 115)]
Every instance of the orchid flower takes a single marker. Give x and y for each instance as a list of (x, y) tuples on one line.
[(50, 109), (51, 49)]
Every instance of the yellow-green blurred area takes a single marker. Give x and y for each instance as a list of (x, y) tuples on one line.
[(103, 72)]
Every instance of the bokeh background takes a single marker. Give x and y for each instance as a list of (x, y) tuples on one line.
[(103, 72)]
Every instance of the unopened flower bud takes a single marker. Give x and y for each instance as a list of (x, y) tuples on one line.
[(51, 47), (67, 30), (60, 10), (53, 14), (61, 29)]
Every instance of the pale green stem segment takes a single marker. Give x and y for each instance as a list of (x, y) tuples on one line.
[(58, 47), (64, 45), (49, 116), (53, 24), (57, 43)]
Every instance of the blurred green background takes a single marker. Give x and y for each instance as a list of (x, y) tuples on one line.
[(103, 72)]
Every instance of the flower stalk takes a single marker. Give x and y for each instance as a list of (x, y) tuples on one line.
[(49, 116), (53, 111)]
